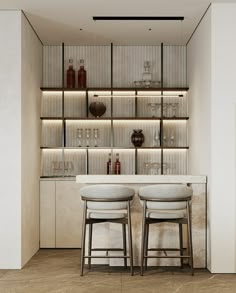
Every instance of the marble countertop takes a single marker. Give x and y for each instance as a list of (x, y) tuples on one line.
[(142, 179)]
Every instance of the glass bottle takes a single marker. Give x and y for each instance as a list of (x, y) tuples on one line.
[(109, 170), (147, 75), (117, 165), (81, 75), (70, 75)]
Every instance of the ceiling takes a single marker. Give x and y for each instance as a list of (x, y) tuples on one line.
[(71, 21)]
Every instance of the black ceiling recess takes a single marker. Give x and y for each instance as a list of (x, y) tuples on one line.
[(138, 18)]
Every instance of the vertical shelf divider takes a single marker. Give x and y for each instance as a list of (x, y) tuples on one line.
[(161, 121), (112, 122), (63, 113)]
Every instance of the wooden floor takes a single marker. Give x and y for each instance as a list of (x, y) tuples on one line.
[(58, 271)]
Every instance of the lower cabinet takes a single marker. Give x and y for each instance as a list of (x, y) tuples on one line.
[(60, 214)]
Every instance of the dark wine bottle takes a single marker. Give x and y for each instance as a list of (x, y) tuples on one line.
[(70, 75), (81, 75), (117, 165), (109, 166)]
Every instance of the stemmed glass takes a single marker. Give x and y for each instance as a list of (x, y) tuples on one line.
[(87, 134), (96, 136), (154, 107), (174, 109), (147, 167), (79, 136), (156, 138), (172, 138), (164, 140)]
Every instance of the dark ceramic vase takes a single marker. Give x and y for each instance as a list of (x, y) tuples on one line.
[(97, 109), (137, 137)]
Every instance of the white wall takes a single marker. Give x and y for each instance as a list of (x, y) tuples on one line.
[(211, 72), (30, 138), (199, 80), (20, 80), (10, 134), (223, 156)]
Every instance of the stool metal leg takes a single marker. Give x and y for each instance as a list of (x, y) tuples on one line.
[(190, 245), (124, 244), (90, 244), (143, 238), (146, 244), (83, 239), (130, 240), (181, 243)]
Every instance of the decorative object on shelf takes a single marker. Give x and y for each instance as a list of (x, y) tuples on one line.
[(96, 136), (109, 165), (156, 138), (117, 165), (97, 109), (87, 135), (147, 78), (137, 137), (154, 107), (82, 75), (70, 75), (79, 136), (68, 168), (151, 168), (172, 138), (147, 75)]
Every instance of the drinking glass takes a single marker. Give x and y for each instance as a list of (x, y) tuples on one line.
[(79, 136), (96, 136), (156, 167), (173, 109), (87, 134), (147, 167), (165, 168), (164, 140)]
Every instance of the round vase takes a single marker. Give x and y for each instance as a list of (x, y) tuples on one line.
[(137, 137), (97, 109)]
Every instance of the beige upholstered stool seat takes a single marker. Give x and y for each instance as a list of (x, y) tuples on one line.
[(106, 203), (166, 203)]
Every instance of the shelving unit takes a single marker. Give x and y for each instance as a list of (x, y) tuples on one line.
[(65, 110)]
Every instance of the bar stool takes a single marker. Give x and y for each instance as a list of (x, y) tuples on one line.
[(106, 203), (166, 203)]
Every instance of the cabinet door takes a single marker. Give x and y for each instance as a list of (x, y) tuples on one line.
[(47, 214), (68, 215)]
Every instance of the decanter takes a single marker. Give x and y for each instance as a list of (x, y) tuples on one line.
[(147, 75)]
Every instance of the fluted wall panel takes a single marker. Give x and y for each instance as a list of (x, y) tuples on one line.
[(174, 71), (75, 104), (175, 162), (52, 66), (51, 104), (51, 133)]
